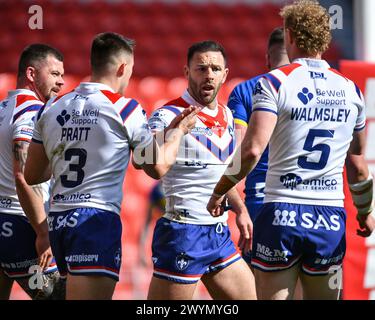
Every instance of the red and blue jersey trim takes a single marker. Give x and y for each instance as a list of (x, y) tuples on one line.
[(128, 109), (34, 107)]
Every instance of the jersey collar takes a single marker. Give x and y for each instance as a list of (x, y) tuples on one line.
[(25, 92), (312, 63), (90, 86), (191, 101)]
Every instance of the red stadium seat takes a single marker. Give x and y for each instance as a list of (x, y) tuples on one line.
[(152, 88), (7, 82), (176, 87)]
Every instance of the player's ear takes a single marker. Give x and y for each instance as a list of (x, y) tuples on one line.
[(268, 61), (226, 71), (121, 70), (289, 36), (30, 74), (186, 72)]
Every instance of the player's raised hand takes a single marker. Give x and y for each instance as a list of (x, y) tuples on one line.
[(366, 225), (186, 119)]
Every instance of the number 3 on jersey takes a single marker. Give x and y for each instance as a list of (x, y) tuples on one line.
[(325, 149), (74, 167)]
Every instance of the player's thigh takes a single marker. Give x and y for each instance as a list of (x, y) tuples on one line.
[(324, 287), (235, 282), (276, 285), (5, 286), (161, 289), (89, 287)]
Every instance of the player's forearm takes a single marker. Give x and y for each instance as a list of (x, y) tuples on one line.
[(240, 131), (158, 157), (168, 150), (356, 168), (238, 207), (31, 200), (241, 165)]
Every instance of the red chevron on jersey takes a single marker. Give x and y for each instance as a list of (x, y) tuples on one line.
[(179, 102), (338, 73), (112, 96), (21, 98), (287, 70), (217, 124)]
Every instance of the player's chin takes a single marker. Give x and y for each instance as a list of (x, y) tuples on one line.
[(53, 93), (207, 97)]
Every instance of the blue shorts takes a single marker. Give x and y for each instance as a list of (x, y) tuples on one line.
[(184, 252), (17, 247), (286, 234), (254, 209), (86, 241)]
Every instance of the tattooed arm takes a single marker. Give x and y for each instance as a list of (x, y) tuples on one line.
[(20, 149), (31, 199)]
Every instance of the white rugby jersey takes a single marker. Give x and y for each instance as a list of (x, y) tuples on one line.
[(317, 109), (17, 113), (88, 135), (203, 156)]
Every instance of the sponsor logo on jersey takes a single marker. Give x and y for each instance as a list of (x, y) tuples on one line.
[(63, 118), (258, 88), (179, 215), (320, 184), (317, 75), (331, 98), (85, 117), (27, 131), (305, 96), (201, 131), (158, 114), (196, 163), (5, 202), (74, 197), (182, 261), (290, 180), (3, 105)]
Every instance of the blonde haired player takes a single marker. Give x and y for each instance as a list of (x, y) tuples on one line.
[(311, 116)]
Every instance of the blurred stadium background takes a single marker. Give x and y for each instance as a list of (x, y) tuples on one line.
[(163, 31)]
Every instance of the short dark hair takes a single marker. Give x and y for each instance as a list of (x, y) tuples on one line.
[(276, 37), (107, 44), (204, 46), (35, 53)]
